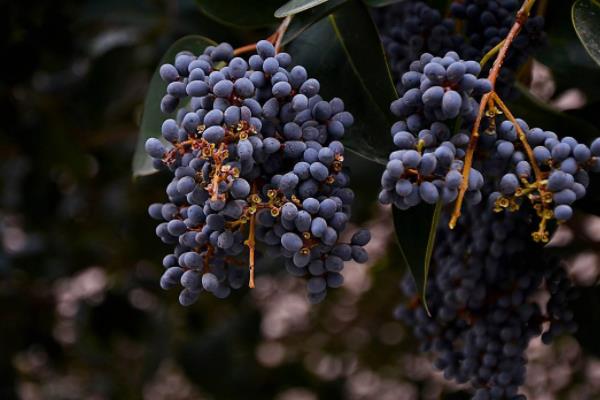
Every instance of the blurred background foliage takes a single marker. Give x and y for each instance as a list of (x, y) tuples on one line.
[(81, 312)]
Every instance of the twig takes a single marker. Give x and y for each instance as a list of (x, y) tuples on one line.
[(281, 32), (469, 160), (522, 136), (251, 243), (244, 49), (522, 16)]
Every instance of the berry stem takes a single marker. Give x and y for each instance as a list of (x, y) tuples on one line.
[(251, 243), (251, 246), (544, 212), (281, 32), (469, 160), (244, 49), (209, 253), (218, 157), (522, 16), (522, 137)]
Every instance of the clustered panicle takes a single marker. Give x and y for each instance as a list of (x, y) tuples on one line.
[(411, 28), (555, 177), (427, 165), (482, 295), (437, 111), (256, 156), (486, 273), (486, 23), (474, 27)]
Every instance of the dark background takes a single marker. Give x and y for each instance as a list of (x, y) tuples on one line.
[(81, 312)]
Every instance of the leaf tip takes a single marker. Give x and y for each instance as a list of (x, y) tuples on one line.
[(426, 307), (280, 12)]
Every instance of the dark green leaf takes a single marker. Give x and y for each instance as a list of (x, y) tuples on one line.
[(571, 65), (540, 114), (588, 319), (381, 3), (152, 118), (345, 54), (586, 20), (416, 230), (302, 22), (296, 6), (241, 13), (359, 37)]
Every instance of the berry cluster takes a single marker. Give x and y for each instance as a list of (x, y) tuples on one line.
[(411, 28), (486, 272), (480, 295), (429, 160), (553, 178), (522, 163), (486, 23), (255, 149)]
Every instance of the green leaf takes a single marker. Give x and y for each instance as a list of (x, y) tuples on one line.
[(296, 6), (571, 65), (586, 20), (241, 13), (537, 113), (381, 3), (305, 20), (152, 117), (416, 230), (344, 52)]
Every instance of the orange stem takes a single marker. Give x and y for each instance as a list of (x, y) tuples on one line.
[(522, 16), (522, 136), (281, 32), (244, 49), (469, 161), (251, 243)]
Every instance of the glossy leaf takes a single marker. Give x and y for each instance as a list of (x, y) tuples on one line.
[(296, 6), (416, 231), (152, 118), (241, 13), (345, 52), (571, 65), (305, 20), (359, 37), (586, 20)]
